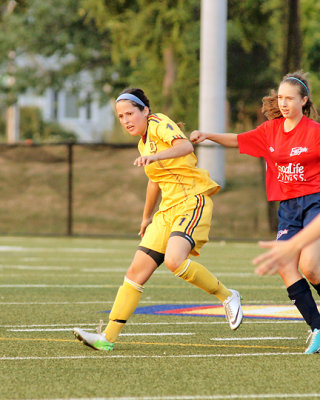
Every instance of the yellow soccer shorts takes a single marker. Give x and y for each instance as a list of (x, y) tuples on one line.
[(190, 219)]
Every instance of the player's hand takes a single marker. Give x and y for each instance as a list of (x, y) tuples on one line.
[(145, 160), (143, 226), (280, 254), (197, 137)]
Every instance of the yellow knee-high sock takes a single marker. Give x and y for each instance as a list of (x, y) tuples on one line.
[(198, 275), (126, 302)]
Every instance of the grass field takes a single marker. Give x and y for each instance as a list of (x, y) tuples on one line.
[(50, 285)]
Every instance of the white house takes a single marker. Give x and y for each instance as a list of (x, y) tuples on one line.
[(80, 113)]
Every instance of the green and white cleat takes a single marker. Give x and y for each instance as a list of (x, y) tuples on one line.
[(314, 346), (95, 340), (233, 310)]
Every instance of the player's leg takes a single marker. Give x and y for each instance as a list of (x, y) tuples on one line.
[(148, 257), (176, 259), (310, 264), (310, 256), (142, 267), (297, 287), (189, 233), (310, 267)]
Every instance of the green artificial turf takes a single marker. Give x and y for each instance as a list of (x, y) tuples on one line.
[(49, 285)]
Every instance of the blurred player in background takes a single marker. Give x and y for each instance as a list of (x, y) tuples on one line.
[(179, 228), (290, 144)]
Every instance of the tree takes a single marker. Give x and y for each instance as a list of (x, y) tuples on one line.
[(150, 44), (292, 58), (160, 43), (37, 36)]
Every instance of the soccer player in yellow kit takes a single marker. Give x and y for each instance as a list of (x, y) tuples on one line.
[(179, 228)]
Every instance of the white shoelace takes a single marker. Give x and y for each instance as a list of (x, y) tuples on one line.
[(228, 309), (99, 327), (309, 336)]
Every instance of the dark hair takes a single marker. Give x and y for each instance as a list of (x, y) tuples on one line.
[(270, 106), (141, 95)]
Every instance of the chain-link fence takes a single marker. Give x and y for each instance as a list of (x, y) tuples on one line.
[(94, 189)]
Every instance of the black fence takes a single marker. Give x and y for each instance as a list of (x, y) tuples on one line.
[(94, 189)]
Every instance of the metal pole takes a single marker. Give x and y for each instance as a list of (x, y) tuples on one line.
[(213, 85), (70, 190), (13, 123)]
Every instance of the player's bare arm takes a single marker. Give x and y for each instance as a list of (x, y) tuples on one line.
[(152, 196), (225, 139), (281, 253), (180, 148)]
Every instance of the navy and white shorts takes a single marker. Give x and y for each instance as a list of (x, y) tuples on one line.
[(295, 214)]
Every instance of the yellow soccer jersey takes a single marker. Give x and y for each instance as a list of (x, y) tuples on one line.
[(178, 178)]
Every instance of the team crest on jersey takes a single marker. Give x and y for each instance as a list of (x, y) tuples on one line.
[(296, 151), (153, 146)]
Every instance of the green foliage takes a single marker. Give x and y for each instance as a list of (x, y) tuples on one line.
[(33, 127), (311, 44), (150, 44), (251, 72), (34, 41), (156, 46)]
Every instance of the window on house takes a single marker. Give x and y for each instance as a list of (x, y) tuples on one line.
[(88, 106), (54, 108), (72, 106)]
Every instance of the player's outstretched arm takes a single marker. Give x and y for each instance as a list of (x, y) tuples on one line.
[(283, 252), (225, 139)]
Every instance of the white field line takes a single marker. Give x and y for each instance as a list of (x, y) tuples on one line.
[(25, 286), (118, 356), (212, 397), (55, 303), (102, 259), (84, 325), (46, 285), (27, 303), (167, 272), (255, 338), (66, 268), (91, 329), (155, 334), (58, 249), (108, 270), (113, 269), (35, 268)]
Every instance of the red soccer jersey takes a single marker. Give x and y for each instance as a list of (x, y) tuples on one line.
[(292, 158)]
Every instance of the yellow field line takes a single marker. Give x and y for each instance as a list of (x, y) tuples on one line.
[(214, 345), (242, 346)]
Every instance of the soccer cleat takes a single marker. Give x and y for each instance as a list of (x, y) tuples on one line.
[(233, 310), (314, 346), (95, 340)]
